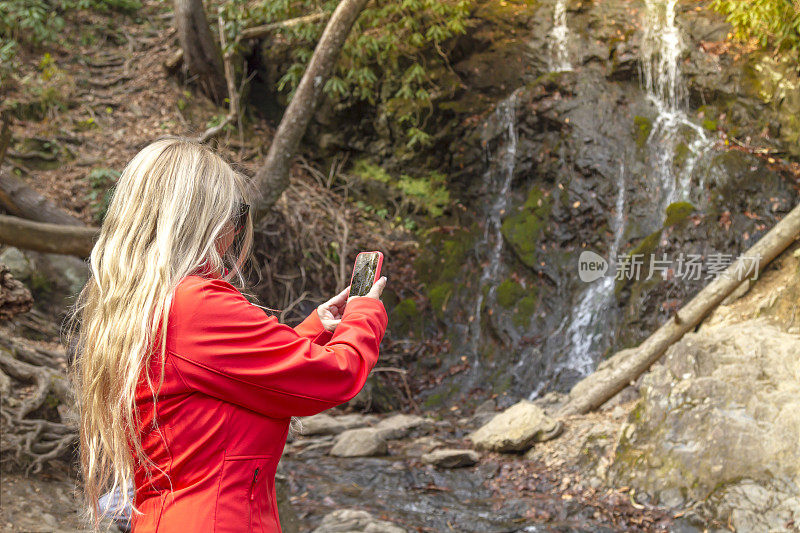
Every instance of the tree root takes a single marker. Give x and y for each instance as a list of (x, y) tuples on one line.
[(33, 439)]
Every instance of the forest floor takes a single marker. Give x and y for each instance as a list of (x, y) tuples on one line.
[(106, 92), (547, 489)]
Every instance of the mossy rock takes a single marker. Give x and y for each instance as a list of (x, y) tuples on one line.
[(643, 128), (682, 152), (524, 311), (439, 296), (677, 212), (406, 318), (523, 228), (646, 247), (443, 256), (508, 292)]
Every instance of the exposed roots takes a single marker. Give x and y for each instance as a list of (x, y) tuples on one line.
[(314, 233), (34, 385)]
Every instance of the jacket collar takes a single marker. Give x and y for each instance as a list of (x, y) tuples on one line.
[(206, 270)]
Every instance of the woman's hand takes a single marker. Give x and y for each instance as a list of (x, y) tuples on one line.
[(330, 313), (375, 291)]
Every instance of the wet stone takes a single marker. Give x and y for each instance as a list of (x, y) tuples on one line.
[(450, 458)]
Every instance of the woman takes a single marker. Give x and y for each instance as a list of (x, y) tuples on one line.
[(183, 385)]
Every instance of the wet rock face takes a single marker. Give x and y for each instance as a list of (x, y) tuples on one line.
[(719, 418), (583, 138)]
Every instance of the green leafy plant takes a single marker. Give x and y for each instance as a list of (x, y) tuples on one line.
[(101, 183), (392, 59), (774, 23), (428, 193)]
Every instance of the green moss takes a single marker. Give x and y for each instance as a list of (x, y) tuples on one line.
[(508, 292), (439, 296), (677, 212), (406, 319), (40, 284), (710, 125), (646, 247), (643, 128), (525, 309), (443, 255), (434, 400), (681, 154), (428, 192), (522, 229)]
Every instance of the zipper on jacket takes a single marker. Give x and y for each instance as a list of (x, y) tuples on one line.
[(253, 486)]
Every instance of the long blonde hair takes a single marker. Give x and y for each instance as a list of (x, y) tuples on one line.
[(174, 199)]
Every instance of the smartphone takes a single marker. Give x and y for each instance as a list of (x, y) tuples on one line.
[(365, 273)]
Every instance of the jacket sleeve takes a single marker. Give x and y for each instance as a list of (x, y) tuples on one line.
[(225, 347), (312, 329)]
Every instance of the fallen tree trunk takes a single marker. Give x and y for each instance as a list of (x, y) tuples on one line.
[(46, 237), (273, 176), (627, 365), (17, 198)]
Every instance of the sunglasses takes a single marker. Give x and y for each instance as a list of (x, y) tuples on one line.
[(240, 219)]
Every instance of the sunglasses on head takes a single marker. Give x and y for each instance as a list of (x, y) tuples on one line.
[(240, 218)]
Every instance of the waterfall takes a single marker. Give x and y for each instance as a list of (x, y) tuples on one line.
[(498, 179), (662, 47), (588, 323), (559, 57), (589, 317)]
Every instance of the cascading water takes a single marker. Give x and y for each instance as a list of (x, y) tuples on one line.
[(490, 247), (559, 57), (587, 326), (589, 318), (672, 130)]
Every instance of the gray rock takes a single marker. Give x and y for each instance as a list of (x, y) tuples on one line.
[(364, 442), (321, 424), (516, 429), (354, 521), (356, 420), (451, 458), (719, 420), (479, 419), (399, 426), (421, 445), (489, 406), (17, 262)]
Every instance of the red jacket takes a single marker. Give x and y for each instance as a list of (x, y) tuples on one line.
[(233, 378)]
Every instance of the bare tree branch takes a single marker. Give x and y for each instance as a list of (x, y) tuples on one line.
[(273, 177)]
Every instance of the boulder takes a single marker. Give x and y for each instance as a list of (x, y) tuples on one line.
[(325, 424), (363, 442), (354, 521), (356, 420), (451, 458), (17, 262), (420, 446), (719, 420), (321, 424), (399, 426), (516, 429)]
